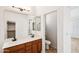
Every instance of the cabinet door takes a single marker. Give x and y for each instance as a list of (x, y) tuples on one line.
[(34, 48), (39, 47), (29, 49)]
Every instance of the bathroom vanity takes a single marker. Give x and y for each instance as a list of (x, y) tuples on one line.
[(29, 45)]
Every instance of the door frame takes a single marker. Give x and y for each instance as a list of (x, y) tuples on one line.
[(45, 25)]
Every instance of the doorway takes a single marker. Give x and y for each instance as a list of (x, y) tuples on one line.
[(51, 32)]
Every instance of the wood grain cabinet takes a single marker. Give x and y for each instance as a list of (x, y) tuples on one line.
[(29, 47), (39, 46), (15, 49)]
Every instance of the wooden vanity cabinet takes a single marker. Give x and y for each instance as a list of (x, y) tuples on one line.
[(29, 47), (34, 48), (15, 49), (37, 46)]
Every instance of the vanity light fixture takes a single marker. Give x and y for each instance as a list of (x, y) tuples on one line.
[(22, 8)]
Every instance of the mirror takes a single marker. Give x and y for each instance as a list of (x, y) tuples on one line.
[(38, 23), (35, 24)]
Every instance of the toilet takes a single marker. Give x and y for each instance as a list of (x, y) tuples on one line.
[(47, 43)]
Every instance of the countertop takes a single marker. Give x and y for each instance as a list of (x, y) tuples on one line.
[(10, 43)]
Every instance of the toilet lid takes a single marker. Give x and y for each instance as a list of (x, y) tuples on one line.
[(47, 42)]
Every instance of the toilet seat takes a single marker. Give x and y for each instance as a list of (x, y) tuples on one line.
[(47, 42)]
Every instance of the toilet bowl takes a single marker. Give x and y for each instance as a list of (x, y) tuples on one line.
[(47, 43)]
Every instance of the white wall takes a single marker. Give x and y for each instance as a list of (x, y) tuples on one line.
[(75, 30), (67, 26), (33, 10), (70, 15), (51, 28), (41, 11), (1, 27), (75, 21)]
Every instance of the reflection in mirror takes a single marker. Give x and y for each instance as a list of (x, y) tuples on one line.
[(38, 23), (10, 29), (34, 25)]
